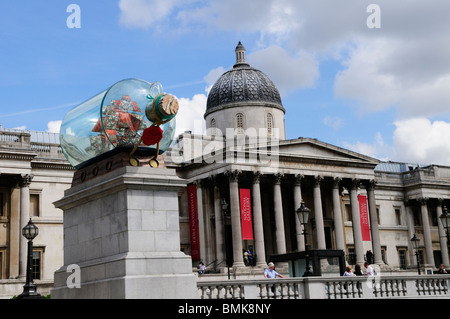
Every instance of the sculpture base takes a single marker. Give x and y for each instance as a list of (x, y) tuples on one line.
[(122, 238)]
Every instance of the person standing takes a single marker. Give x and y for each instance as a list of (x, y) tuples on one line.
[(348, 271), (442, 269), (369, 269), (271, 272)]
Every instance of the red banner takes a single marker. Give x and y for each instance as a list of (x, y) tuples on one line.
[(193, 222), (246, 214), (364, 216)]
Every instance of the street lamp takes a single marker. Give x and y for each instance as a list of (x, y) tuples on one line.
[(224, 206), (303, 214), (30, 231), (415, 241), (445, 218)]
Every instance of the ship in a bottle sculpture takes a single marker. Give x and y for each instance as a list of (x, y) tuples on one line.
[(133, 118)]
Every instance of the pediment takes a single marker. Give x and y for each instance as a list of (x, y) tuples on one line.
[(313, 148)]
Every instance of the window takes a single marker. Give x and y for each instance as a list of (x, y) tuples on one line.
[(398, 219), (35, 202), (213, 127), (351, 256), (348, 213), (269, 123), (2, 264), (402, 258), (2, 205), (416, 216), (37, 263), (240, 123)]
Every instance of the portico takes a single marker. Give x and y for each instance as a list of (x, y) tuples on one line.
[(277, 187)]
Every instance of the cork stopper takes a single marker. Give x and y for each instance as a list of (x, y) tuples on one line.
[(163, 109), (168, 105)]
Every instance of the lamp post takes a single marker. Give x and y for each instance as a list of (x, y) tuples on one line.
[(30, 231), (415, 241), (445, 218), (224, 206), (303, 214)]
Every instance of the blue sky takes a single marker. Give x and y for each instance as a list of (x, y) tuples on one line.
[(381, 91)]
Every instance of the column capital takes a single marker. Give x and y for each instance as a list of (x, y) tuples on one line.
[(198, 183), (256, 177), (298, 178), (370, 184), (317, 180), (422, 200), (233, 175), (336, 182), (277, 178), (25, 180), (355, 183)]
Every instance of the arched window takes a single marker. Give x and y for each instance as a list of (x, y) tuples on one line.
[(269, 123), (213, 127), (240, 123)]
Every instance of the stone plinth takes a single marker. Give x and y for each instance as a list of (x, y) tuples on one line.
[(122, 239)]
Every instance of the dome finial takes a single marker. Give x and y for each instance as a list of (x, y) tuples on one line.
[(240, 54)]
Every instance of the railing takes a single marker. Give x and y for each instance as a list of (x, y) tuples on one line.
[(24, 140), (376, 287)]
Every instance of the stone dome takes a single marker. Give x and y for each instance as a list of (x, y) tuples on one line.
[(242, 85)]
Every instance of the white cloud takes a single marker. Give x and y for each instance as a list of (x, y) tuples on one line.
[(53, 126), (212, 77), (144, 13), (378, 149), (334, 122), (421, 141), (288, 72), (190, 115)]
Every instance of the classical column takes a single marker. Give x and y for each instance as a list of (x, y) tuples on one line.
[(426, 231), (297, 201), (279, 220), (318, 213), (356, 222), (337, 215), (235, 219), (442, 235), (219, 223), (24, 184), (201, 220), (260, 251), (376, 243), (411, 232), (15, 234)]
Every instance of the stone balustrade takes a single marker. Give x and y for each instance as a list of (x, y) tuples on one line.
[(375, 287)]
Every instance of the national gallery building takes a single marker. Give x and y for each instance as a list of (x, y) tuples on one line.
[(245, 181)]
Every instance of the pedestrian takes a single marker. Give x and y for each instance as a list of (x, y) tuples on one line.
[(358, 271), (250, 260), (202, 268), (369, 269), (442, 269), (348, 271), (271, 272), (246, 257)]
